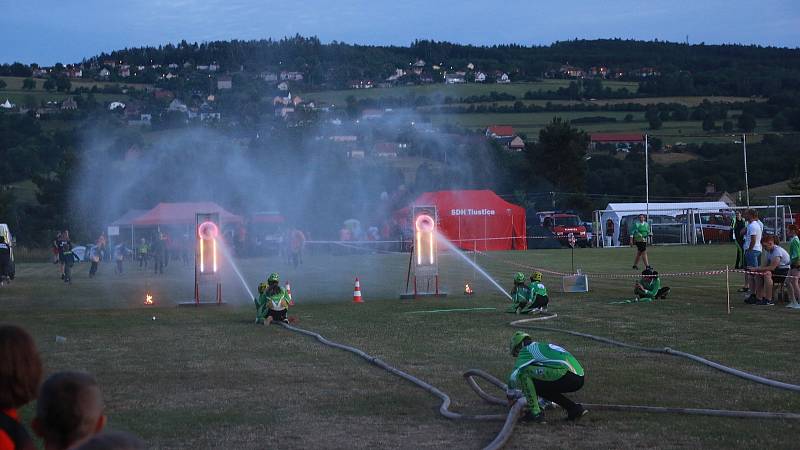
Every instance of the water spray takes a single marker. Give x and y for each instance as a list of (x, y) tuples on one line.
[(452, 247)]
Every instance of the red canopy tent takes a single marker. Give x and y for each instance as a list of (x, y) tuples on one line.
[(183, 214), (478, 219)]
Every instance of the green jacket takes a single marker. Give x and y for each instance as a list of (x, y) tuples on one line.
[(277, 302), (543, 361), (538, 288), (520, 294), (794, 250), (651, 287), (640, 231)]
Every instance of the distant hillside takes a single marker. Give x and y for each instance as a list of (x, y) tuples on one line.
[(763, 194), (665, 68)]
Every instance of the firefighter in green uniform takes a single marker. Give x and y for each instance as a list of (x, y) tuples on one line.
[(272, 303), (520, 295), (640, 231), (544, 370), (539, 298), (649, 286)]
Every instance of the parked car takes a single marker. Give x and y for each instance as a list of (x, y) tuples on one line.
[(665, 229), (564, 224), (710, 227)]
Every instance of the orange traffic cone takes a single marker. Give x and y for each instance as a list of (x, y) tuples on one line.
[(357, 293), (289, 293)]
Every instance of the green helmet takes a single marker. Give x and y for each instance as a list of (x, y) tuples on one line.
[(273, 277), (262, 287), (516, 340), (537, 276), (519, 277)]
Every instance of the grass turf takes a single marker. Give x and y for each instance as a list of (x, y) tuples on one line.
[(209, 378)]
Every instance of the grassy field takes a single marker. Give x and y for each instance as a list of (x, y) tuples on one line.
[(209, 378), (687, 101), (530, 123), (15, 83), (14, 92), (453, 90)]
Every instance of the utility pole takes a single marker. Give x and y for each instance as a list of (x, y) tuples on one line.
[(646, 178), (746, 184)]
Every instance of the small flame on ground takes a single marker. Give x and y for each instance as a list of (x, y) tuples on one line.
[(148, 300)]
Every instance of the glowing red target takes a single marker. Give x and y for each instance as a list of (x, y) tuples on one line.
[(425, 226), (207, 230)]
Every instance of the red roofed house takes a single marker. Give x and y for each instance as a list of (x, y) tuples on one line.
[(500, 131), (615, 138)]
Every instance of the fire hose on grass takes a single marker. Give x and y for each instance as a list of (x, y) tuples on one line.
[(669, 351), (510, 419)]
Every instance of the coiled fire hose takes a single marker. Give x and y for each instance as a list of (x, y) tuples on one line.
[(510, 419)]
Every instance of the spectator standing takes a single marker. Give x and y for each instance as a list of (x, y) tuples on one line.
[(119, 257), (102, 243), (20, 375), (794, 266), (66, 256), (297, 243), (69, 411), (738, 228), (94, 258), (158, 252), (5, 261), (640, 231), (56, 255), (143, 253), (752, 251), (774, 271), (609, 234)]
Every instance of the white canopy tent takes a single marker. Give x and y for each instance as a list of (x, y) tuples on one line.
[(616, 211)]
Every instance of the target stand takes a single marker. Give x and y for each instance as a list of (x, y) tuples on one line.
[(206, 262), (423, 263)]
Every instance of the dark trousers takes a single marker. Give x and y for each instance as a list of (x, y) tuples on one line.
[(93, 269), (158, 264), (540, 301), (119, 266), (739, 256), (553, 390), (68, 270)]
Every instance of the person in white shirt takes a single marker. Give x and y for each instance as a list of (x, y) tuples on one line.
[(752, 251), (775, 270)]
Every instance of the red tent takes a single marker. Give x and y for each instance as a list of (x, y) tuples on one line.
[(183, 214), (478, 219)]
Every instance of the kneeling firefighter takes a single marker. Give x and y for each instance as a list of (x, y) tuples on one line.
[(272, 303), (520, 295), (545, 370), (539, 298)]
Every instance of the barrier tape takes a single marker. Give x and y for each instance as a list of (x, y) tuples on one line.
[(627, 276)]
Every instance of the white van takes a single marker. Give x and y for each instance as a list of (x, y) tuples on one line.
[(6, 233)]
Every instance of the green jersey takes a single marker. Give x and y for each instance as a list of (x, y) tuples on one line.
[(548, 362), (277, 302), (794, 250), (640, 231), (520, 294), (538, 288), (651, 286)]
